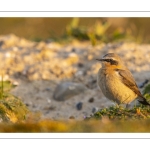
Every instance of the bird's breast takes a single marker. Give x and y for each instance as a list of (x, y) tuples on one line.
[(112, 87)]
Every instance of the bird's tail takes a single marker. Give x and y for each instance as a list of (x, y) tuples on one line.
[(143, 101)]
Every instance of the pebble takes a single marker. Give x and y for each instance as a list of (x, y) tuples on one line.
[(66, 90), (79, 106), (71, 117), (80, 65), (91, 100), (47, 89), (48, 100), (95, 109)]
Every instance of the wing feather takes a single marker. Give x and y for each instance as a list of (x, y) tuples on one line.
[(128, 80)]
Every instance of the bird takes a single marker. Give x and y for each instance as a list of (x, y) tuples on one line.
[(117, 82)]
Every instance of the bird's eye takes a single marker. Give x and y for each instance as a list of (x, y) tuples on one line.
[(112, 62), (108, 60)]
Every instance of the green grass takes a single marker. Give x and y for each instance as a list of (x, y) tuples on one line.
[(97, 33), (121, 113), (12, 108)]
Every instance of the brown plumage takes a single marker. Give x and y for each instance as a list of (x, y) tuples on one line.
[(117, 82)]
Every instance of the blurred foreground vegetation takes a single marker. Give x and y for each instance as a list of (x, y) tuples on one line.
[(93, 29), (74, 126)]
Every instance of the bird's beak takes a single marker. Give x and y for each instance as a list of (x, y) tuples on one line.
[(100, 59)]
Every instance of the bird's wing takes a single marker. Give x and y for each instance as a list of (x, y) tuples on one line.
[(128, 80)]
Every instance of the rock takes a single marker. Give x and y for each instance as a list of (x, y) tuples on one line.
[(95, 109), (66, 90), (80, 64), (91, 100), (71, 117), (79, 106)]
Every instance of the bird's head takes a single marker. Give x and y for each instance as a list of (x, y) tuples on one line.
[(111, 60)]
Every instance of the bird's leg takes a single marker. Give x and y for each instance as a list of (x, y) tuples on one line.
[(127, 106), (134, 103), (117, 105)]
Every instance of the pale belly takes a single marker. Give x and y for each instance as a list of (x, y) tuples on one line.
[(115, 90)]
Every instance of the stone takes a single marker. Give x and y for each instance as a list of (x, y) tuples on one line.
[(91, 100), (66, 90), (71, 117), (79, 106), (95, 109)]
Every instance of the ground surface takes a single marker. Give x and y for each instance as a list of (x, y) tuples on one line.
[(38, 67)]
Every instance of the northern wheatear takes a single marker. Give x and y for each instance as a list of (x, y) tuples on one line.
[(117, 82)]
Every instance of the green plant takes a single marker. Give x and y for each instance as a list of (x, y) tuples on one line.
[(12, 108), (146, 92), (99, 32), (119, 112)]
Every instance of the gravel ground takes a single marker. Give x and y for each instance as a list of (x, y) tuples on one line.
[(39, 67)]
